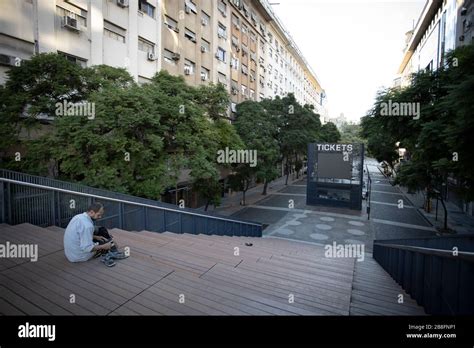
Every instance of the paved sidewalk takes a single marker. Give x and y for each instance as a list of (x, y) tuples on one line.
[(457, 219), (231, 204)]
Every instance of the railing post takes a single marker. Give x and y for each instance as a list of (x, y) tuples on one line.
[(2, 202), (120, 214), (145, 216), (9, 203), (181, 223), (53, 208)]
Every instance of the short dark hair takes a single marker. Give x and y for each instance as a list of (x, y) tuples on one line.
[(95, 207)]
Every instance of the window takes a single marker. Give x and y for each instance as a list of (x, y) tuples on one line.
[(205, 18), (234, 63), (252, 75), (76, 60), (220, 54), (205, 74), (234, 87), (222, 7), (245, 69), (189, 67), (191, 36), (270, 38), (262, 96), (169, 57), (171, 23), (145, 7), (245, 29), (244, 90), (145, 45), (205, 45), (221, 31), (253, 36), (114, 32), (270, 52), (235, 20), (233, 107), (222, 78), (235, 41), (252, 94), (79, 15), (190, 6)]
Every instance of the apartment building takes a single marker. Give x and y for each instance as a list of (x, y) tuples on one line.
[(239, 43), (119, 33), (442, 26)]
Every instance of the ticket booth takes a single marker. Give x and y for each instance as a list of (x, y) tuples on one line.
[(335, 175)]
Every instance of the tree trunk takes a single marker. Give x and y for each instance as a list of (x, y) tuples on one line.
[(265, 185), (207, 205), (287, 172)]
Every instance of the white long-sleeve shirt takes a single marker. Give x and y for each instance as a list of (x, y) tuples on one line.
[(78, 238)]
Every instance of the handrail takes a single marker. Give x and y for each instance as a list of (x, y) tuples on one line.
[(127, 202), (465, 255)]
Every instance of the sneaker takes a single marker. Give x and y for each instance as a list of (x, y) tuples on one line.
[(108, 261), (117, 255)]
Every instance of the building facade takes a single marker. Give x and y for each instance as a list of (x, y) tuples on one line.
[(239, 43), (442, 26)]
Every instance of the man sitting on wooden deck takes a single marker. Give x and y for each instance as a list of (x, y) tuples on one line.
[(83, 241)]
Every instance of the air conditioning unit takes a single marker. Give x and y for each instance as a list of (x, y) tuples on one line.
[(122, 3), (234, 91), (187, 70), (187, 9), (176, 56), (203, 77), (152, 56), (237, 27), (9, 60), (238, 49), (224, 14), (193, 40), (70, 23), (203, 49), (468, 24), (217, 56), (203, 21), (252, 79)]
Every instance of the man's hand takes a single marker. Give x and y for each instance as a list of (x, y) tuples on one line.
[(106, 246)]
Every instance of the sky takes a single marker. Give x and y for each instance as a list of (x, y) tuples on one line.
[(354, 46)]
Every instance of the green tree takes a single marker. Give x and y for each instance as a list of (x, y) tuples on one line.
[(330, 133)]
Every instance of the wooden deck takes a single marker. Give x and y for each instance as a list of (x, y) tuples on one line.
[(170, 274)]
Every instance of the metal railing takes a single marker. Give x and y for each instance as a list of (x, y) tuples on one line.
[(438, 272), (44, 202)]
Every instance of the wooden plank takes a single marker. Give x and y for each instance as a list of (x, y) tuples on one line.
[(333, 284), (331, 301), (8, 309), (222, 289), (53, 294), (19, 302), (195, 299), (85, 282), (84, 298), (301, 302), (393, 307), (33, 297)]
